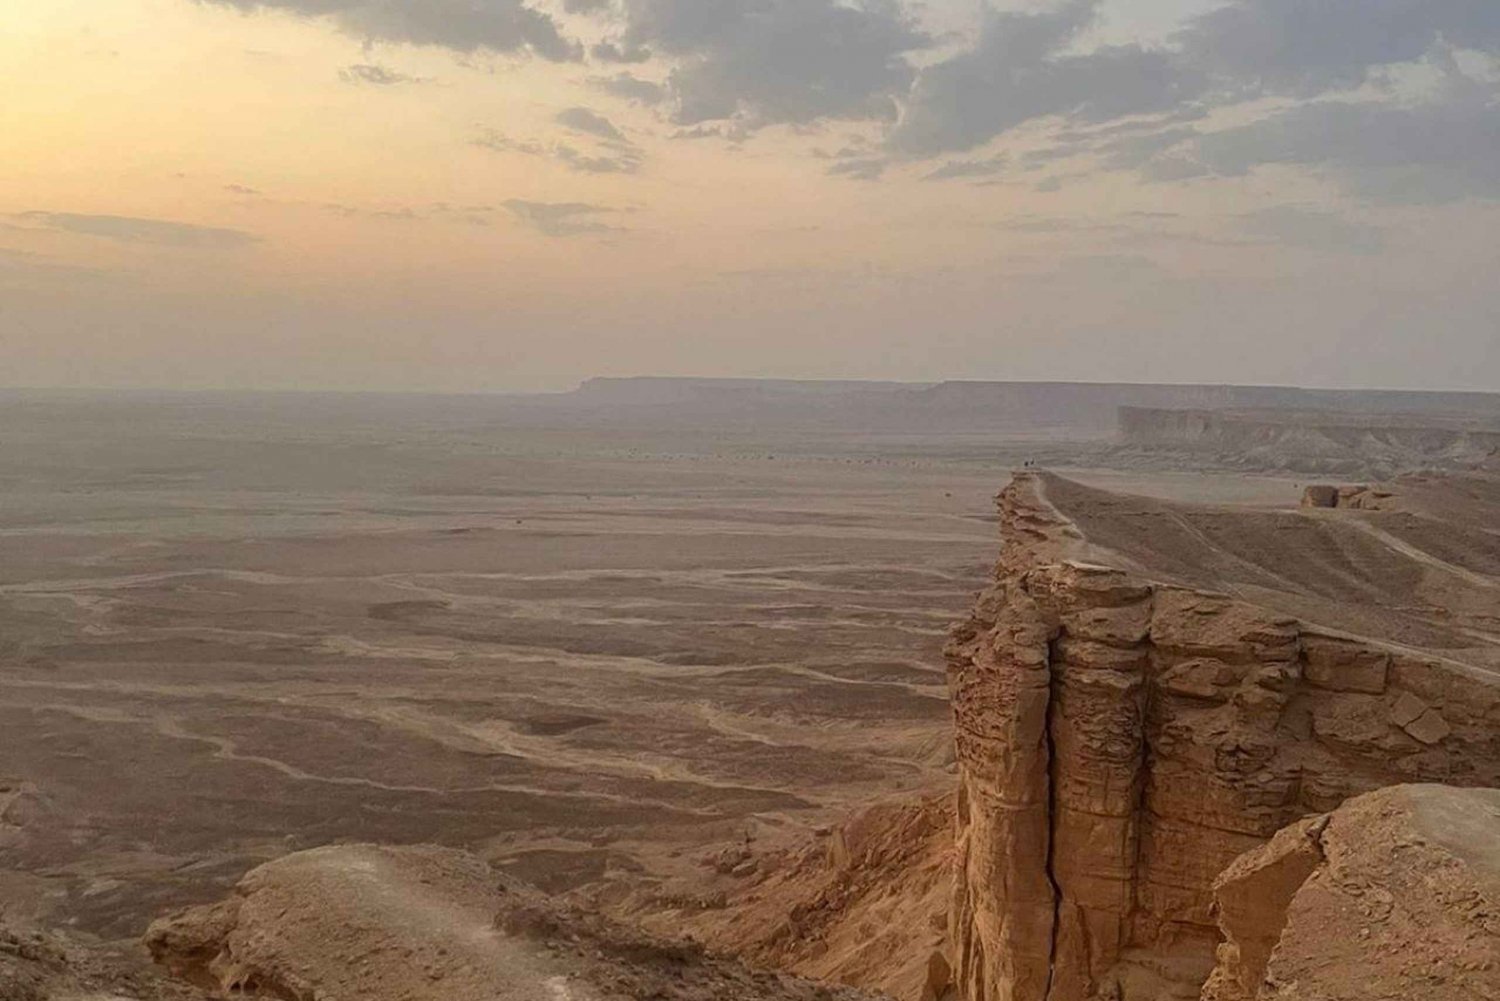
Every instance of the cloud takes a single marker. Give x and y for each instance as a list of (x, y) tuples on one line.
[(560, 218), (126, 229), (777, 61), (380, 76), (861, 169), (615, 154), (499, 142), (612, 52), (1310, 48), (630, 88), (1433, 151), (589, 123), (1346, 112), (733, 133), (505, 26), (620, 161), (1021, 69), (241, 189), (988, 167)]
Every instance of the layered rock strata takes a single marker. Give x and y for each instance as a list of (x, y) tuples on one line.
[(1122, 739)]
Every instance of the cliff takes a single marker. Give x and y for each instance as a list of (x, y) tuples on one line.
[(865, 903), (1150, 689)]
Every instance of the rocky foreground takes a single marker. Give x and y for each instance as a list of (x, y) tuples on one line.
[(379, 923)]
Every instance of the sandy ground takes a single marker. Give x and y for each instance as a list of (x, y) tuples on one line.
[(223, 638), (227, 633)]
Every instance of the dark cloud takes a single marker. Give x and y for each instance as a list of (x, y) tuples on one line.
[(1429, 152), (1021, 69), (777, 61), (560, 218), (1134, 107), (380, 76), (1311, 47), (126, 229), (506, 26), (589, 123), (630, 88)]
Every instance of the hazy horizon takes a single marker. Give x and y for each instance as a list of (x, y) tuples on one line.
[(516, 195), (567, 389)]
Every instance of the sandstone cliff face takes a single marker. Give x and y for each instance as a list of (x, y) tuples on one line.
[(1121, 741)]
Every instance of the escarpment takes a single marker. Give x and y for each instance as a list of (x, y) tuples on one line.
[(1126, 731)]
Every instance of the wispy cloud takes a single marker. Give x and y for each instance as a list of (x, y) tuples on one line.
[(561, 218), (861, 168), (987, 167), (613, 152), (377, 75), (128, 229)]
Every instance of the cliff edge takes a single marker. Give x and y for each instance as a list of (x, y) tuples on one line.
[(1394, 895), (1150, 689)]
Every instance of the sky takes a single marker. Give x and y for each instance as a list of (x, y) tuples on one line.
[(501, 195)]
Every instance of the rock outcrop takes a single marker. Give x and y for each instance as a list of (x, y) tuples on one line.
[(1394, 895), (1358, 498), (373, 923), (1124, 733), (49, 966), (864, 904)]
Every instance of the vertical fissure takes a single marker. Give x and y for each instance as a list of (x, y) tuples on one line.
[(1139, 814), (1052, 812)]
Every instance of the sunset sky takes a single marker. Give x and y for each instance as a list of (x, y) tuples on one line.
[(519, 194)]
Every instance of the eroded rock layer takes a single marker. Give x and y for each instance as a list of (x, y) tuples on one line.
[(421, 923), (1394, 895), (1123, 736)]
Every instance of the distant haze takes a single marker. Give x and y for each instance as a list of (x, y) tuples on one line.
[(517, 195)]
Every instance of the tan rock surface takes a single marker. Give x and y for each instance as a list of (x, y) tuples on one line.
[(865, 904), (1124, 734), (47, 966), (1394, 895), (371, 923)]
